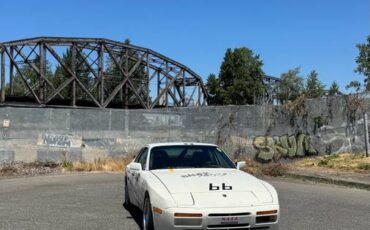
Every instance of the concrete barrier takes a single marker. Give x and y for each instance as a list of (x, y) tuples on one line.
[(263, 132)]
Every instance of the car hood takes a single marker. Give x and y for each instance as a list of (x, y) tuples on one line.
[(208, 186), (197, 180)]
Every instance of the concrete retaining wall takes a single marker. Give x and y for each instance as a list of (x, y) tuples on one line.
[(262, 132)]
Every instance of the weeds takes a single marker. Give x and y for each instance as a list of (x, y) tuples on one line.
[(364, 166), (346, 161), (274, 169), (106, 164), (68, 165), (270, 169)]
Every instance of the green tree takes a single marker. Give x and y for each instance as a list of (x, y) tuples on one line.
[(213, 87), (363, 62), (314, 87), (240, 79), (334, 89), (291, 85), (355, 85)]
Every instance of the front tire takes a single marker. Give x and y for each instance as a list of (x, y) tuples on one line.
[(147, 215), (127, 203)]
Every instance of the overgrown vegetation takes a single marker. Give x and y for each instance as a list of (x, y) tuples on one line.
[(364, 166), (298, 107), (105, 165), (68, 165), (354, 105), (270, 169), (346, 162), (43, 168)]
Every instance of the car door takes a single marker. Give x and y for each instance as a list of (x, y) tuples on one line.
[(138, 179), (132, 177)]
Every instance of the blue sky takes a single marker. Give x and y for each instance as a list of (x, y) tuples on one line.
[(312, 34)]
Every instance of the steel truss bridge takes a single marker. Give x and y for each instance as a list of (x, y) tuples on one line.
[(142, 78)]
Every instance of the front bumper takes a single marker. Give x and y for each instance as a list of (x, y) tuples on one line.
[(216, 218)]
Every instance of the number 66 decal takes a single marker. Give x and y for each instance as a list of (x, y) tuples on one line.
[(223, 187)]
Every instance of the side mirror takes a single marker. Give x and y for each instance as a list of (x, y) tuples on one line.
[(135, 166), (240, 165)]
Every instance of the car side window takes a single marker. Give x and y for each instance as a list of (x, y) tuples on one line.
[(143, 158), (138, 157)]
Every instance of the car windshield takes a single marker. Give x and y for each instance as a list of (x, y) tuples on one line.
[(188, 156)]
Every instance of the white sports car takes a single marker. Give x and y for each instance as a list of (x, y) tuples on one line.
[(197, 186)]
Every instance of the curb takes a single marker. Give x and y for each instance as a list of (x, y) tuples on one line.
[(327, 180)]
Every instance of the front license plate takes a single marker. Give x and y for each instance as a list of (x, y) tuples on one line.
[(230, 220)]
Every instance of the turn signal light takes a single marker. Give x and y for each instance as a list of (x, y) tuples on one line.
[(188, 215), (269, 212), (157, 210)]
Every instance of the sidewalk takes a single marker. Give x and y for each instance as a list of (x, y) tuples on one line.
[(351, 179)]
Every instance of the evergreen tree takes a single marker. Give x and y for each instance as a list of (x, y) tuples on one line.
[(334, 89), (314, 87), (240, 79)]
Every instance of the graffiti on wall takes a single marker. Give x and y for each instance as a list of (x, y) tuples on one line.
[(57, 140), (159, 119), (277, 147)]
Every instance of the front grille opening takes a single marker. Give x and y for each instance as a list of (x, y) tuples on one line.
[(229, 214), (228, 225), (265, 219), (188, 221)]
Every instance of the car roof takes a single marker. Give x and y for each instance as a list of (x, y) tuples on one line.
[(178, 144)]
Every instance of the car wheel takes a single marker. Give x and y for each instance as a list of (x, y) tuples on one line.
[(147, 215), (127, 197)]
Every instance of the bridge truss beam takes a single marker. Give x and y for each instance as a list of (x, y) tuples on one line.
[(96, 72)]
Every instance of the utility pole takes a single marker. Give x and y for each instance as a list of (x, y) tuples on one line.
[(366, 135)]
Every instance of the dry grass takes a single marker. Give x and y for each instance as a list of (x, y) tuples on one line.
[(346, 161), (270, 169), (105, 165), (252, 167)]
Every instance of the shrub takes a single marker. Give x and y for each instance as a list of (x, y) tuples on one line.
[(274, 169), (364, 166), (67, 164)]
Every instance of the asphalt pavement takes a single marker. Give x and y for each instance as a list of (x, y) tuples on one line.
[(94, 201)]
